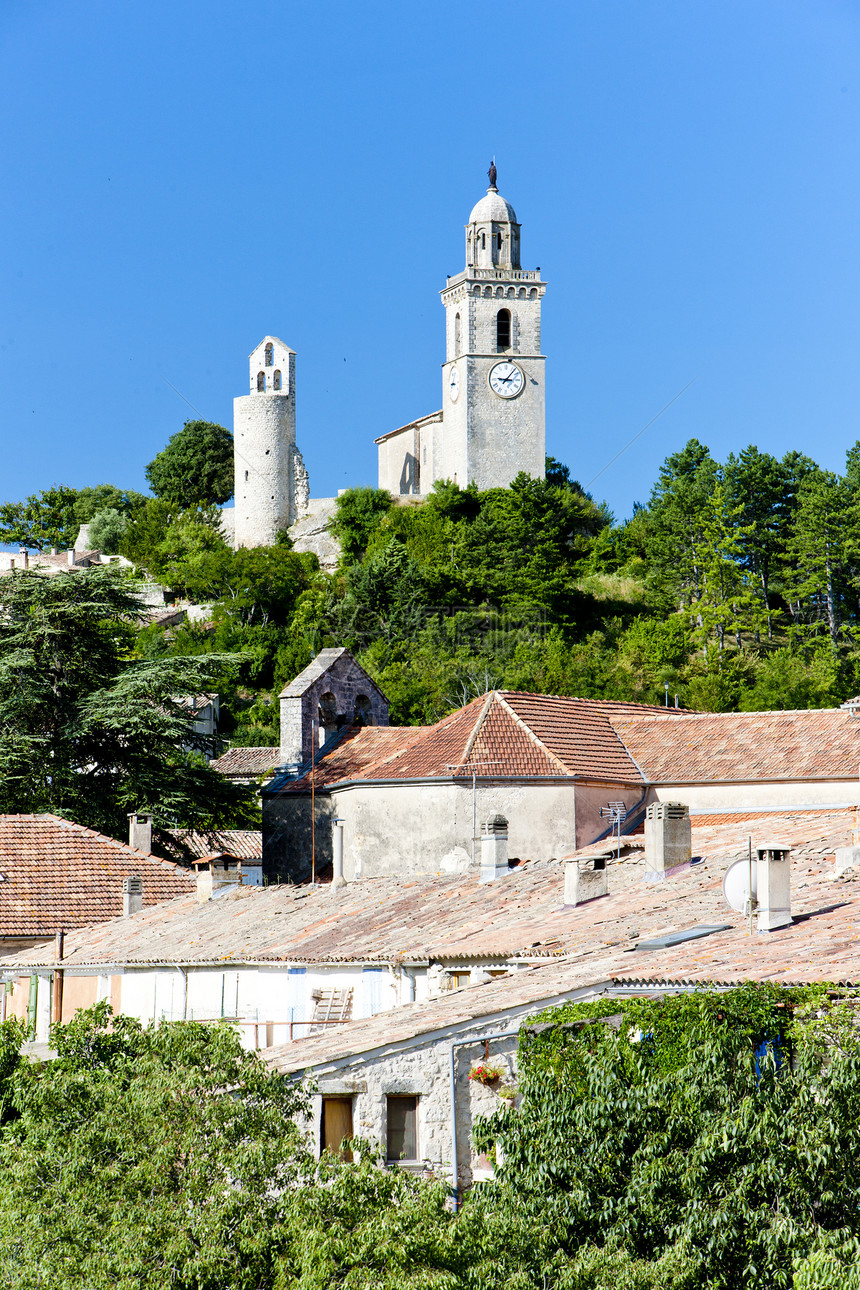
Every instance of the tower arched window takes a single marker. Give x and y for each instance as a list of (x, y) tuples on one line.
[(261, 381), (276, 380), (270, 354), (456, 334), (483, 241), (503, 329)]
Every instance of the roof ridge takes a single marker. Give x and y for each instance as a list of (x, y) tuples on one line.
[(533, 737), (482, 716)]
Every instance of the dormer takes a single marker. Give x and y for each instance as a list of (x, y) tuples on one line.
[(269, 367)]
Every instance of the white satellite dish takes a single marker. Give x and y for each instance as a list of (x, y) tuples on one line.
[(736, 885)]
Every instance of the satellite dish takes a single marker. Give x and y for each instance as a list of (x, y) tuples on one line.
[(736, 885)]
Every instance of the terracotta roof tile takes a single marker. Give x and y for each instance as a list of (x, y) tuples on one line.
[(715, 747), (241, 844), (247, 763), (451, 916), (502, 733), (58, 876)]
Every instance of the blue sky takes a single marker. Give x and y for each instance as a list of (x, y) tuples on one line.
[(179, 179)]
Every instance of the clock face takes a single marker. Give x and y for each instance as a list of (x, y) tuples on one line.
[(506, 380), (454, 384)]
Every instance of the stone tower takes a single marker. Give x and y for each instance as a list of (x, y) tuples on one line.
[(271, 481), (494, 372), (492, 422)]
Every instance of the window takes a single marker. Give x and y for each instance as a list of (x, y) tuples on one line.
[(336, 1125), (499, 241), (402, 1135), (456, 980), (270, 354), (276, 381), (261, 381), (503, 329), (483, 241), (456, 334)]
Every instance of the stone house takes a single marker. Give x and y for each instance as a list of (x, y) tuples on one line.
[(411, 799)]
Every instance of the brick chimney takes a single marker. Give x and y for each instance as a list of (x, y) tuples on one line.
[(494, 848), (140, 831), (132, 894), (667, 837)]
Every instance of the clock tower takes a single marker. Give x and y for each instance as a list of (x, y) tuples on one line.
[(493, 375), (492, 422)]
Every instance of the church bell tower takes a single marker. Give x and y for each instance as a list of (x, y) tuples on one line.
[(493, 376)]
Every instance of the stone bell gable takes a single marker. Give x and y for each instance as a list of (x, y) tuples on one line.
[(331, 693)]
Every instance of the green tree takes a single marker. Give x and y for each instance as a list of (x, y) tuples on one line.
[(88, 731), (821, 551), (675, 539), (44, 520), (196, 466), (107, 529), (761, 487), (358, 515), (100, 497), (170, 1151)]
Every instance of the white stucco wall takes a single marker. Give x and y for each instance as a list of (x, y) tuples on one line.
[(761, 795)]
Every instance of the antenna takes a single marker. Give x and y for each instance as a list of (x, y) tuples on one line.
[(616, 812)]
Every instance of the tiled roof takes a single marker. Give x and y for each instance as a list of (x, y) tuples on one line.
[(58, 876), (241, 844), (247, 763), (505, 734), (714, 747), (821, 945), (451, 916)]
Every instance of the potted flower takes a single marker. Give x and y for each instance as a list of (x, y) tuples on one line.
[(484, 1073), (507, 1093)]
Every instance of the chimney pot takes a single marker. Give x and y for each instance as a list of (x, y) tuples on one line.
[(668, 840), (338, 879), (132, 894), (585, 879), (140, 831), (773, 886), (494, 848)]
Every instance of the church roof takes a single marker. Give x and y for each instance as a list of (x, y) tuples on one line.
[(493, 209)]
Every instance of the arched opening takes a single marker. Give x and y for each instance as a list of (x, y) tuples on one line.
[(327, 716), (270, 354), (363, 715), (276, 380), (503, 329), (483, 241), (261, 381), (456, 334)]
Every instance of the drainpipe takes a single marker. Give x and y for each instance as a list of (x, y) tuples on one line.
[(452, 1073), (337, 852), (57, 1010)]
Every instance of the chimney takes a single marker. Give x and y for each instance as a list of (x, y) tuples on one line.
[(667, 838), (140, 831), (25, 557), (494, 848), (70, 557), (585, 878), (132, 895), (337, 853), (773, 886), (216, 875)]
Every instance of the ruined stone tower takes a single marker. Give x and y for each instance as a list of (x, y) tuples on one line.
[(271, 485)]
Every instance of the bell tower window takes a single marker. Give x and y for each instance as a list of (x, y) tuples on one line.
[(276, 381), (503, 329), (261, 381), (456, 335), (270, 354)]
